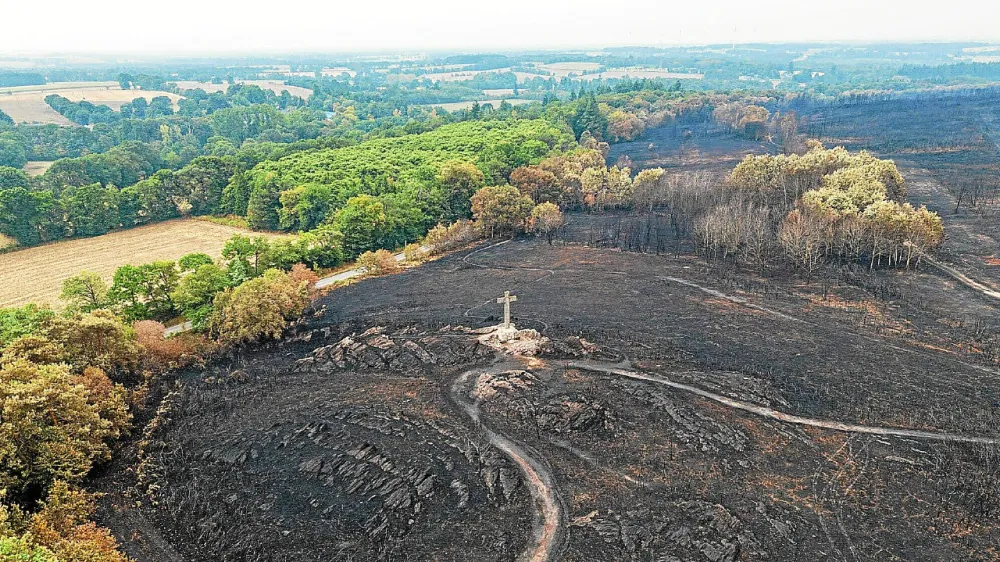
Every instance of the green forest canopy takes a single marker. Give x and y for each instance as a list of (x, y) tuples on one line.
[(407, 158), (302, 190)]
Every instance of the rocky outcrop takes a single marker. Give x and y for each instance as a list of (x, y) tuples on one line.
[(401, 352)]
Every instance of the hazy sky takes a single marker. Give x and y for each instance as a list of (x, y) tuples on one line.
[(225, 26)]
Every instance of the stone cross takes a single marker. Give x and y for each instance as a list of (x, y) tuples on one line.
[(506, 299)]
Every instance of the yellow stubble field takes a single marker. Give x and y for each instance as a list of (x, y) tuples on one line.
[(36, 274)]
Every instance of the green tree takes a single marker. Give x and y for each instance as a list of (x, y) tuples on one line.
[(30, 216), (588, 118), (460, 181), (12, 153), (13, 177), (203, 181), (246, 253), (191, 262), (195, 292), (322, 247), (304, 207), (160, 106), (22, 321), (236, 195), (85, 292), (363, 223), (143, 292), (264, 202), (501, 210), (91, 210)]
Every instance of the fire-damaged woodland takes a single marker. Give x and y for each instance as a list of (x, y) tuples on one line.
[(734, 368)]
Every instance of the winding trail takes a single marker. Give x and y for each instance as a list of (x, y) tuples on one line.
[(549, 528), (963, 278), (781, 416)]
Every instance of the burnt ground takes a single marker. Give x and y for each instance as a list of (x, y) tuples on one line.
[(948, 148), (366, 456), (319, 448), (692, 143)]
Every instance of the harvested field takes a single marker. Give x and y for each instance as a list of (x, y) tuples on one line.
[(114, 98), (31, 108), (499, 93), (639, 73), (56, 87), (460, 105), (26, 104), (459, 75), (337, 71), (275, 86), (37, 168), (562, 69), (36, 274)]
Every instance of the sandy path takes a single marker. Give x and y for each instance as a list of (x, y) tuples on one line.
[(549, 529), (781, 416), (963, 278)]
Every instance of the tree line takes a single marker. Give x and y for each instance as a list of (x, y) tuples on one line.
[(823, 206)]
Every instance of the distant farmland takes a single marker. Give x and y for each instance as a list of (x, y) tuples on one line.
[(275, 86), (36, 274), (460, 105), (37, 168), (561, 69), (651, 73), (460, 75), (26, 104)]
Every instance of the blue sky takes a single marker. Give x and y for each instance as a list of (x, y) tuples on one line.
[(227, 26)]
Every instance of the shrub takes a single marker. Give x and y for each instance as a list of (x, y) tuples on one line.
[(302, 274), (443, 238), (378, 262), (98, 339), (59, 532), (546, 220), (53, 428), (413, 253), (160, 353), (259, 308)]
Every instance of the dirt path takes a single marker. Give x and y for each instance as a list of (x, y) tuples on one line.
[(550, 522), (963, 279), (781, 416)]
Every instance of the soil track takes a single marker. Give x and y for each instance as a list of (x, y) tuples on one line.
[(964, 279), (550, 526), (781, 416)]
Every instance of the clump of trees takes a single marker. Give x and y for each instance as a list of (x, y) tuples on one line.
[(756, 122), (66, 384), (441, 238), (163, 290), (546, 220), (823, 206), (86, 113), (261, 307), (835, 206)]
